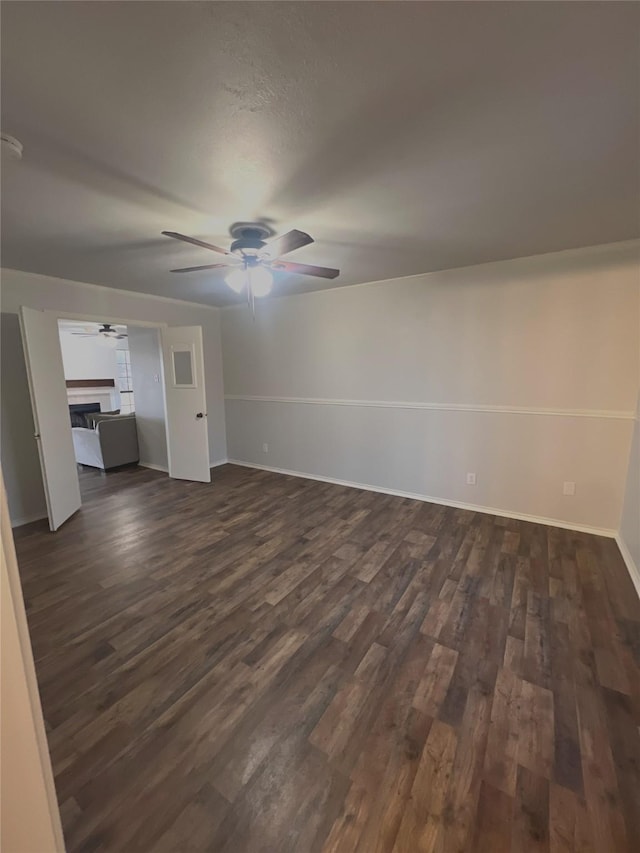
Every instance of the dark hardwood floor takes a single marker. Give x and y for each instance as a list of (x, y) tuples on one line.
[(276, 664)]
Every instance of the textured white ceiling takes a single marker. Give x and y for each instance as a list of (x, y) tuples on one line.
[(404, 137)]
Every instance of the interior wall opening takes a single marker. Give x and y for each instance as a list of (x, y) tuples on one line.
[(115, 395)]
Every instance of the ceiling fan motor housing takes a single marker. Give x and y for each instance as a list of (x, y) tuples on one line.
[(249, 238)]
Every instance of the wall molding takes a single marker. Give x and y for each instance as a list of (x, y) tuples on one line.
[(135, 293), (634, 571), (441, 407), (597, 249), (502, 513)]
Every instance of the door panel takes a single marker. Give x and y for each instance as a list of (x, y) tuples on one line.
[(187, 434), (48, 392)]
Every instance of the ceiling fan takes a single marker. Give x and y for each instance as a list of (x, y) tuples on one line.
[(252, 259), (106, 330)]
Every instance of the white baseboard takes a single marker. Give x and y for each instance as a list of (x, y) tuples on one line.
[(633, 570), (224, 461), (153, 466), (27, 519), (519, 516)]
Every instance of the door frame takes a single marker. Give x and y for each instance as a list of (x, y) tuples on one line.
[(123, 321), (59, 314), (31, 798), (102, 318)]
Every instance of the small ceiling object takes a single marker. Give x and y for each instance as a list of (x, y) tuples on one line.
[(106, 330), (252, 259), (11, 146)]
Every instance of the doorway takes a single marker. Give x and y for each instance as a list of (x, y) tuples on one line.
[(171, 365), (108, 368)]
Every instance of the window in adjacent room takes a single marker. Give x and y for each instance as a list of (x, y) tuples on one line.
[(125, 385)]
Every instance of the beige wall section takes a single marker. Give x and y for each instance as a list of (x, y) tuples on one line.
[(555, 332), (19, 454), (30, 820)]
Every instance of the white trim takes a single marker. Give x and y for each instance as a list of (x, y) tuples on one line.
[(102, 318), (502, 513), (220, 462), (139, 293), (577, 250), (441, 407), (634, 571), (27, 519), (591, 249), (153, 467)]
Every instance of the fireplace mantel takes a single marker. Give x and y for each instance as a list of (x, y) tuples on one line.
[(102, 391), (90, 383)]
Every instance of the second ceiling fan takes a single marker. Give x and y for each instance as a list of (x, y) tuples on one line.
[(252, 259)]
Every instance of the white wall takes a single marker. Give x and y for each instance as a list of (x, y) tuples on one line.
[(630, 525), (524, 372), (86, 358), (18, 451), (148, 393)]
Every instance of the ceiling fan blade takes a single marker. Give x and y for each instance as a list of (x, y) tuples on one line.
[(195, 242), (305, 269), (287, 243), (205, 267)]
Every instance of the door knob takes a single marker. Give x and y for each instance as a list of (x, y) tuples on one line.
[(200, 415)]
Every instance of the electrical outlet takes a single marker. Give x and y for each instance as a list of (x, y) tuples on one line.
[(568, 488), (265, 447), (471, 479), (156, 377)]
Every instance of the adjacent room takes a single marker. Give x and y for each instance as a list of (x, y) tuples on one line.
[(320, 444), (99, 382)]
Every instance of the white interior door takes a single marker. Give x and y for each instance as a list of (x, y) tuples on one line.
[(187, 433), (50, 414)]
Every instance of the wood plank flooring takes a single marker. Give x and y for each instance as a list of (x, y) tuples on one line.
[(276, 664)]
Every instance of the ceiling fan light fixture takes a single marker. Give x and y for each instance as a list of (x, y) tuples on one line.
[(257, 278), (261, 281), (237, 279)]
